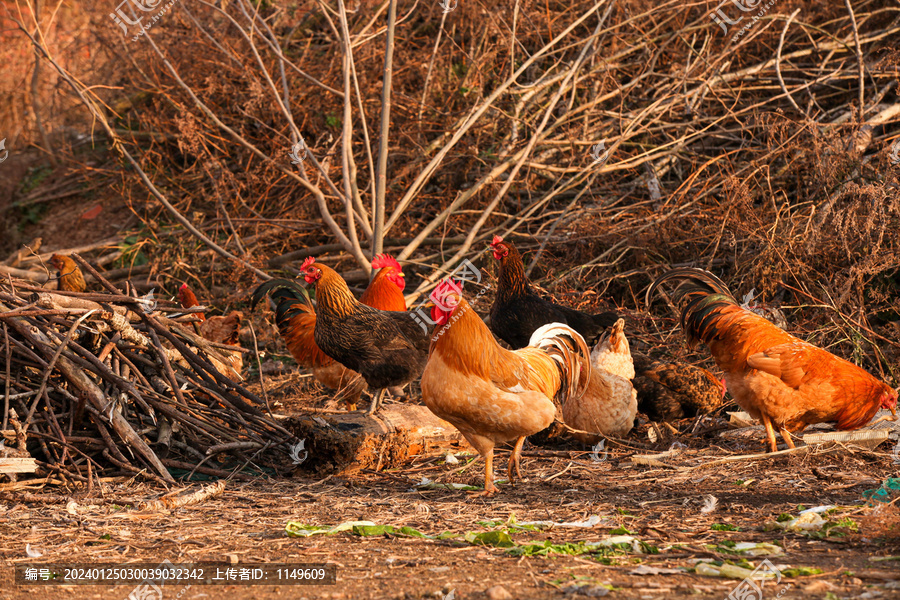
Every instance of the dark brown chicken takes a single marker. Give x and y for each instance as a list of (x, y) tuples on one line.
[(518, 311), (296, 319), (388, 348), (667, 391), (70, 277)]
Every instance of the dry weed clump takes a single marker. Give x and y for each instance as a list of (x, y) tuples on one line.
[(882, 525)]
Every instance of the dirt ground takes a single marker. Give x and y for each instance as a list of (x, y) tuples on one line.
[(679, 516)]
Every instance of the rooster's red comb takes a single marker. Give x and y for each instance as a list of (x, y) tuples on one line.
[(184, 287), (308, 262), (385, 260), (497, 240)]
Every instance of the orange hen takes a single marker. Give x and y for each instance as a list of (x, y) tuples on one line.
[(70, 277), (218, 329), (493, 395), (783, 381), (296, 319)]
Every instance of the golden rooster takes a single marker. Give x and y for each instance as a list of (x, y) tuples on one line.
[(783, 381), (493, 395), (70, 277)]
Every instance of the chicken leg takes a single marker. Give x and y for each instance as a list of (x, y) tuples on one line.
[(514, 460), (787, 438), (770, 432), (489, 488), (376, 403)]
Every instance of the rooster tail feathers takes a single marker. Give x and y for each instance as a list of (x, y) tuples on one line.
[(280, 290), (702, 297), (568, 349), (697, 281)]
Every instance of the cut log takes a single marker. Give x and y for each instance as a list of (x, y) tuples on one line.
[(346, 443), (17, 465)]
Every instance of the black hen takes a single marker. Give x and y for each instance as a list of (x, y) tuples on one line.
[(518, 311), (388, 348)]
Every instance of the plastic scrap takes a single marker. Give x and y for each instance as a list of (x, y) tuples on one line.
[(807, 521), (758, 549), (728, 571), (297, 529), (886, 493), (587, 523), (427, 484)]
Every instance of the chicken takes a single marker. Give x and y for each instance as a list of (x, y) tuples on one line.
[(189, 300), (70, 277), (518, 311), (388, 348), (493, 395), (221, 330), (667, 391), (296, 319), (609, 405), (783, 381)]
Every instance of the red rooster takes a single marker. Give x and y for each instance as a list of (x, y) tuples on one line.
[(296, 319), (783, 381), (493, 395), (387, 348)]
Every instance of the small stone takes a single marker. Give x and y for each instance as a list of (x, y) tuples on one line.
[(498, 592)]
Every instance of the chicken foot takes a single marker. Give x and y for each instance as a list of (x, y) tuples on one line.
[(514, 459)]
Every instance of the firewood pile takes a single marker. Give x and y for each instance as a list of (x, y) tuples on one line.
[(116, 384)]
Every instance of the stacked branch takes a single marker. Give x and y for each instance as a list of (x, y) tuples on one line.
[(103, 383)]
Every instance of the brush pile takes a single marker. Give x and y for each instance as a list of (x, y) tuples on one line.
[(117, 384)]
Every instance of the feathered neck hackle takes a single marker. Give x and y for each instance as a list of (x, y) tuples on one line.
[(333, 297), (384, 293), (512, 281), (465, 342)]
